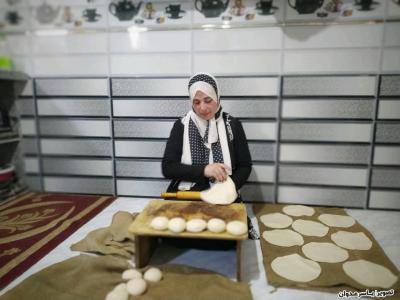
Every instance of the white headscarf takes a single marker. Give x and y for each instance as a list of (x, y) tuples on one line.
[(217, 131)]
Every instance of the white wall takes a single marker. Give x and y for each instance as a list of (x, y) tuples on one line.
[(285, 42)]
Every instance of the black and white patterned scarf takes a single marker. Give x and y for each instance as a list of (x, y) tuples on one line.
[(204, 142)]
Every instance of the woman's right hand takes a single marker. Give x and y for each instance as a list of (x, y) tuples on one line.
[(217, 170)]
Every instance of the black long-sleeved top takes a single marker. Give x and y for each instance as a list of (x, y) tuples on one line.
[(172, 167)]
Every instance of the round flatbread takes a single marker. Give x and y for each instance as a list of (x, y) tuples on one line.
[(310, 228), (276, 220), (296, 268), (324, 252), (283, 237), (352, 240), (298, 210), (369, 274), (337, 220)]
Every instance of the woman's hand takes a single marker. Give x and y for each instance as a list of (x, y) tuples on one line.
[(218, 171)]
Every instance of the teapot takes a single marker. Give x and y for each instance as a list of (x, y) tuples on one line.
[(46, 14), (306, 6), (211, 8), (124, 10), (13, 17)]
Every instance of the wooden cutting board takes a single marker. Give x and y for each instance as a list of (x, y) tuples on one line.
[(188, 210)]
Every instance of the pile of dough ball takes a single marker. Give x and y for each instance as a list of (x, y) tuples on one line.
[(215, 225), (136, 283)]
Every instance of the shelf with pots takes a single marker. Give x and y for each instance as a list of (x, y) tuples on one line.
[(11, 86)]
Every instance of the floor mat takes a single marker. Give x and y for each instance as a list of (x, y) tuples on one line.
[(33, 224)]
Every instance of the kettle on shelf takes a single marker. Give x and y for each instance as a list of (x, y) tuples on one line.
[(45, 13), (124, 10), (211, 8)]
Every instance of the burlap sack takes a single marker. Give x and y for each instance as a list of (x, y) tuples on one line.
[(86, 277), (115, 239), (332, 278), (81, 277)]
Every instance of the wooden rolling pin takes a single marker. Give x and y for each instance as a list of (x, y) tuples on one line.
[(183, 195)]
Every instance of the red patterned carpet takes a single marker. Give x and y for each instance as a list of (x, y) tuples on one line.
[(33, 224)]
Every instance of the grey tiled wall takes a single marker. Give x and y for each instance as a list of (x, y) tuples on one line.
[(320, 140)]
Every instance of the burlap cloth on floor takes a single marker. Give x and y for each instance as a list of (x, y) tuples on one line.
[(115, 239), (87, 277), (332, 278)]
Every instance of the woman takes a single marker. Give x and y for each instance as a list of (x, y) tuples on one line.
[(207, 144)]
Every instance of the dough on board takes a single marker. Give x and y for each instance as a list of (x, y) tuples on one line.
[(298, 210), (369, 274), (337, 220), (276, 220), (216, 225), (325, 252), (177, 225), (283, 237), (196, 225), (236, 228), (310, 228), (159, 223), (222, 193), (295, 267), (352, 240)]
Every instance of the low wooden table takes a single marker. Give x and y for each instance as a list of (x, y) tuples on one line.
[(146, 237)]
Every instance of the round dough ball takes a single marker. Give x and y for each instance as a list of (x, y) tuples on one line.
[(283, 237), (352, 240), (196, 225), (337, 220), (216, 225), (136, 286), (131, 274), (117, 295), (298, 210), (369, 274), (295, 267), (159, 223), (177, 225), (121, 287), (276, 220), (236, 228), (153, 275), (325, 252), (310, 228)]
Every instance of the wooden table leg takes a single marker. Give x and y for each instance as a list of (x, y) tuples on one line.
[(144, 249), (238, 260)]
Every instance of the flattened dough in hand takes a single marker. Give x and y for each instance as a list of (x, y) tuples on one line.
[(298, 210), (352, 240), (295, 267), (369, 274), (222, 193), (276, 220), (283, 237), (337, 220), (324, 252), (310, 228)]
